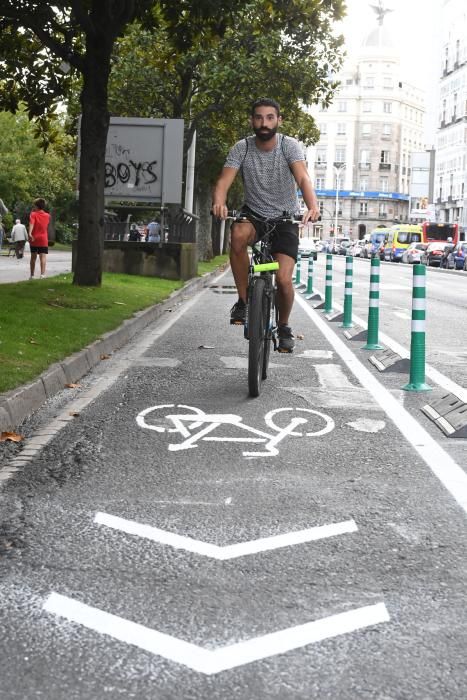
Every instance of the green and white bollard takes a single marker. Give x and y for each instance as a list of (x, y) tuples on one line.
[(347, 322), (309, 280), (328, 288), (373, 308), (417, 341), (298, 283)]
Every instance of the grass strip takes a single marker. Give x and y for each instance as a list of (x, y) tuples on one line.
[(44, 321)]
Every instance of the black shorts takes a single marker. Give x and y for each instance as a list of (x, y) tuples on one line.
[(39, 249), (284, 238)]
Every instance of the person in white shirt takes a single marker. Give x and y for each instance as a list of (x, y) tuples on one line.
[(19, 237)]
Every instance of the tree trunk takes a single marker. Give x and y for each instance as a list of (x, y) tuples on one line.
[(93, 139), (204, 225)]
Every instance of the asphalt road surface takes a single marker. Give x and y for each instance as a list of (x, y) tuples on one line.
[(166, 537)]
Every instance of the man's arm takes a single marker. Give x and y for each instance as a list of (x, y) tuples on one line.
[(30, 236), (302, 178), (221, 188)]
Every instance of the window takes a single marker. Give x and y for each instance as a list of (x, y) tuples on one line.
[(384, 184), (387, 129), (341, 129), (387, 107), (323, 129), (367, 107), (321, 156), (339, 155), (369, 81), (366, 129), (364, 184), (321, 208), (319, 184), (342, 106), (363, 208), (383, 210), (384, 158), (388, 82)]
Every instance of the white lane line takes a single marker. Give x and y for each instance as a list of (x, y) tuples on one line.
[(441, 464), (430, 371), (232, 551), (214, 661)]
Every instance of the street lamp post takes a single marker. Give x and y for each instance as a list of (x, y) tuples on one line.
[(338, 168)]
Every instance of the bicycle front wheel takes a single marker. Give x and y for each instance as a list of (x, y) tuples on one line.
[(257, 308)]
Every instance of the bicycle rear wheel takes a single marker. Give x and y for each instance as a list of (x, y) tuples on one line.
[(257, 307)]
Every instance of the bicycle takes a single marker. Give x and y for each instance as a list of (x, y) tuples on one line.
[(260, 327)]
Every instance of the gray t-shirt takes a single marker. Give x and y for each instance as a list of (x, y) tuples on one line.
[(269, 186)]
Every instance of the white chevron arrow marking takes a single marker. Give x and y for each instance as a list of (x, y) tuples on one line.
[(230, 551), (214, 661)]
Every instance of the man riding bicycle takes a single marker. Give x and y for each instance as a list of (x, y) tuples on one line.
[(272, 166)]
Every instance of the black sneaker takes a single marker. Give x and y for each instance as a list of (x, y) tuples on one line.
[(238, 313), (286, 339)]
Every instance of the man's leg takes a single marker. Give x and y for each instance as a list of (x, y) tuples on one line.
[(242, 234), (32, 263), (285, 290)]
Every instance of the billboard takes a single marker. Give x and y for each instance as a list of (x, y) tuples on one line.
[(143, 160)]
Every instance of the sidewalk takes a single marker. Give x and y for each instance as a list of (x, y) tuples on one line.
[(16, 405), (14, 270)]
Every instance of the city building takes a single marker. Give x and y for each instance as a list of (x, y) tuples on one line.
[(450, 196), (361, 163)]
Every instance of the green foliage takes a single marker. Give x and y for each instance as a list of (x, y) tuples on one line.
[(210, 72), (27, 172)]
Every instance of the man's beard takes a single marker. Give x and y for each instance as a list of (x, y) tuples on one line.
[(265, 134)]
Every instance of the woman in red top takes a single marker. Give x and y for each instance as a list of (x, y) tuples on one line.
[(38, 235)]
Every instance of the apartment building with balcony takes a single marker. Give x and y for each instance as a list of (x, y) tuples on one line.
[(367, 135), (450, 195)]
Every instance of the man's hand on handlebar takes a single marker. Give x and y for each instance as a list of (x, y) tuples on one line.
[(220, 211), (312, 214)]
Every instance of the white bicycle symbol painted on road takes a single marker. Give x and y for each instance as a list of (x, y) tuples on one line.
[(194, 425)]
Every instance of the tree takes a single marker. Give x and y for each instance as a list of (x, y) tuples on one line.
[(285, 50), (36, 38)]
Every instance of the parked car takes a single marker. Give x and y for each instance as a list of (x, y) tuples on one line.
[(307, 246), (413, 254), (344, 246), (355, 248), (433, 254), (457, 257)]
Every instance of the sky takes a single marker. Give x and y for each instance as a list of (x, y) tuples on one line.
[(412, 23)]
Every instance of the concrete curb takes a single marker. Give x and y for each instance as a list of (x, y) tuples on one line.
[(16, 405)]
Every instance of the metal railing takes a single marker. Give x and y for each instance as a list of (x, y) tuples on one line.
[(180, 226)]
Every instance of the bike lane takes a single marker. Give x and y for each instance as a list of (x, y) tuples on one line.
[(177, 539)]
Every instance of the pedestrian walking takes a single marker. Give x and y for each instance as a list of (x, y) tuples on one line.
[(154, 231), (19, 236), (39, 221), (134, 233)]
